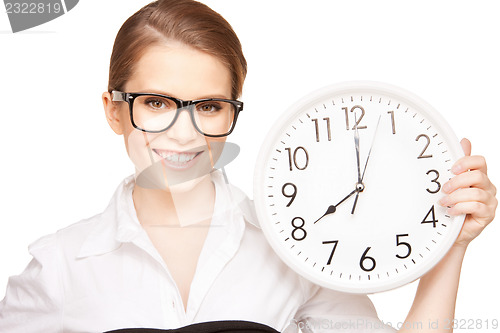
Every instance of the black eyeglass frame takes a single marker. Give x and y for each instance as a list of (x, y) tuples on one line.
[(120, 96)]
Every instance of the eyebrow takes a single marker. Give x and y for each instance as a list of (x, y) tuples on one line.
[(155, 91)]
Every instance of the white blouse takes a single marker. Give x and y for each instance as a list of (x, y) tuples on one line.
[(103, 273)]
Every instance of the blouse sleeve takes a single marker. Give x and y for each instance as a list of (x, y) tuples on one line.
[(331, 311), (33, 299)]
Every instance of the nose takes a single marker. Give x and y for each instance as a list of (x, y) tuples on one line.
[(183, 130)]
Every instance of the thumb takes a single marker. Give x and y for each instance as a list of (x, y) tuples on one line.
[(466, 146)]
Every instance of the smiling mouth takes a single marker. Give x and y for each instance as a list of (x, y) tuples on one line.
[(177, 158)]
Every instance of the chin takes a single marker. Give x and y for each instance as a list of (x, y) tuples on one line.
[(188, 185), (159, 177)]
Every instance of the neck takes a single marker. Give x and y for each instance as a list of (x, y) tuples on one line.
[(174, 208)]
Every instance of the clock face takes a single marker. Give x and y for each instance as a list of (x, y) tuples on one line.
[(358, 231)]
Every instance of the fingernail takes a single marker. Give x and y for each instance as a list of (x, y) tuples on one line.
[(446, 187), (456, 169), (444, 201)]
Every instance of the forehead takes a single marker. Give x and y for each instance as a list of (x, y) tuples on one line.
[(180, 71)]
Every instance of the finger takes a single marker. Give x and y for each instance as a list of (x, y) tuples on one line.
[(470, 163), (467, 195), (478, 210), (466, 146), (473, 178)]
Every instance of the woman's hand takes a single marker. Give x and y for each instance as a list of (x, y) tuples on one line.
[(470, 192)]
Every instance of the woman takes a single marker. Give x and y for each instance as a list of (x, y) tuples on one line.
[(177, 245)]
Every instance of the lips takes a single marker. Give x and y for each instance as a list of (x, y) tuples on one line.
[(177, 160)]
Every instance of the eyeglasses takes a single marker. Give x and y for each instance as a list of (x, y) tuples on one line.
[(155, 113)]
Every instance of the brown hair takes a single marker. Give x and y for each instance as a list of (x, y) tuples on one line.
[(186, 21)]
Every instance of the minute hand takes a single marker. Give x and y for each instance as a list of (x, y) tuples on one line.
[(366, 164), (356, 145)]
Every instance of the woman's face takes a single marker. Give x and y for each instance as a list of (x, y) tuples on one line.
[(178, 158)]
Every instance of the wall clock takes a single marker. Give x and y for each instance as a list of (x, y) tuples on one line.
[(347, 184)]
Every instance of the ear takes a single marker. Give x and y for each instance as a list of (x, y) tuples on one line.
[(113, 114)]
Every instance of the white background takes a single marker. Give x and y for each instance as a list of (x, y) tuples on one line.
[(61, 162)]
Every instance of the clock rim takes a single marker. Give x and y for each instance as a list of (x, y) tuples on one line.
[(298, 108)]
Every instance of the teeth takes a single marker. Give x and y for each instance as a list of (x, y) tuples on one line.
[(177, 158)]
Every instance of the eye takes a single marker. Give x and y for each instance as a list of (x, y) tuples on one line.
[(208, 107), (155, 103)]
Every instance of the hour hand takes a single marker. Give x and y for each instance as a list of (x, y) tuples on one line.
[(329, 210), (333, 208)]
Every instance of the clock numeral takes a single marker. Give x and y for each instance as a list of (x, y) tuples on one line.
[(433, 217), (392, 120), (294, 159), (296, 228), (434, 181), (358, 121), (292, 196), (365, 258), (327, 119), (334, 242), (426, 146), (398, 243)]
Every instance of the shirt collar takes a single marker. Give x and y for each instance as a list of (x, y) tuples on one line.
[(118, 223), (239, 201)]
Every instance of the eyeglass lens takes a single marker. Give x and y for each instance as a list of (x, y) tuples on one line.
[(154, 113)]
